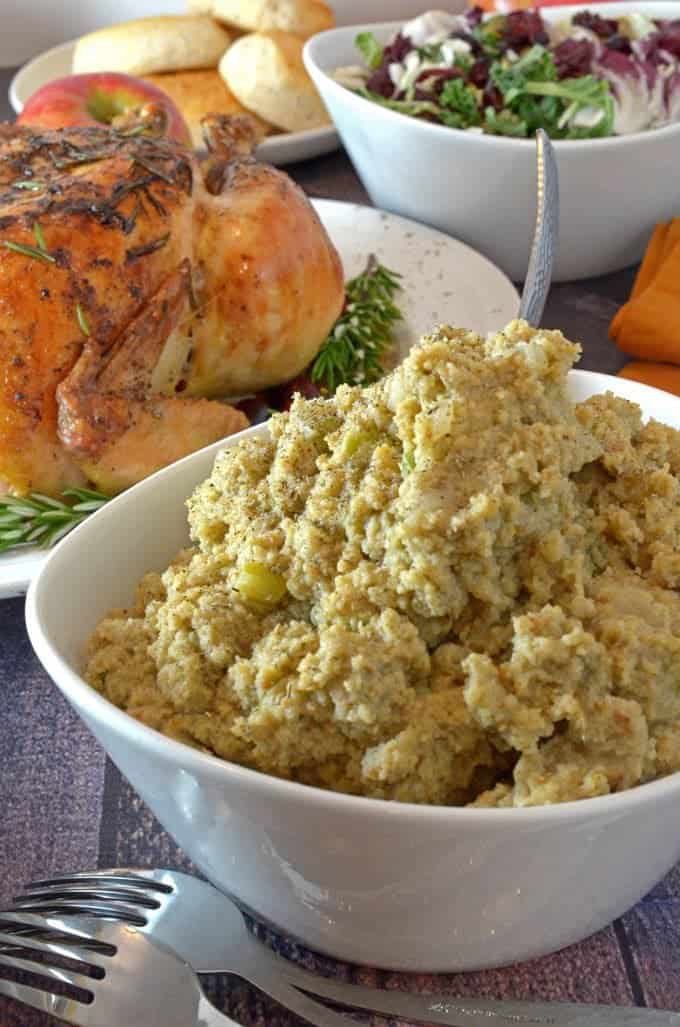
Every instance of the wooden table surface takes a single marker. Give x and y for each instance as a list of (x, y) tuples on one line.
[(65, 806)]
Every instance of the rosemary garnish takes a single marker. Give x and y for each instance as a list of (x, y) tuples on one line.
[(40, 238), (153, 170), (149, 247), (132, 133), (73, 156), (363, 333), (82, 320), (33, 186), (28, 251), (41, 520)]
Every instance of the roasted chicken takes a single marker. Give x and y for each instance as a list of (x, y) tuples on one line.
[(138, 285)]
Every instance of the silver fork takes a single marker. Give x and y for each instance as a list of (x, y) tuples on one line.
[(207, 931), (191, 917), (544, 246), (125, 976)]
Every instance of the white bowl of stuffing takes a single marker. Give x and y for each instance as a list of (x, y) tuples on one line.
[(408, 686), (438, 115)]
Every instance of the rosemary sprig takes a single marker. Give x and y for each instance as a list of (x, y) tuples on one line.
[(154, 170), (39, 236), (363, 333), (41, 520), (83, 323), (28, 251), (32, 185)]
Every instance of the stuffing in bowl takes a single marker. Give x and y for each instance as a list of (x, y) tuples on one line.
[(454, 586)]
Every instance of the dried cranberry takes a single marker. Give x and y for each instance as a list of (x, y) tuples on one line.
[(493, 97), (397, 49), (476, 48), (478, 74), (573, 58), (619, 43), (524, 28), (380, 81), (431, 81), (282, 396), (602, 27), (256, 408), (474, 16)]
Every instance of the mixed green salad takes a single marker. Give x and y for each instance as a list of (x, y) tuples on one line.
[(509, 74)]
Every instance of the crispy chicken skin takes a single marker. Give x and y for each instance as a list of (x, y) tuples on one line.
[(163, 282)]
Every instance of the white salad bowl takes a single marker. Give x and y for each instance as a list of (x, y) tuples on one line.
[(482, 188), (388, 884)]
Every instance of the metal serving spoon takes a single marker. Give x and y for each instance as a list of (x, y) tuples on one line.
[(544, 246)]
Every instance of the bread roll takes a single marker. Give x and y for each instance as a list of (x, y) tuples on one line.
[(149, 45), (301, 17), (197, 93), (264, 70)]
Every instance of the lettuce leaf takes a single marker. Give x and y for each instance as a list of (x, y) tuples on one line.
[(370, 48)]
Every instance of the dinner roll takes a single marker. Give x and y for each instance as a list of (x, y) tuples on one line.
[(265, 72), (197, 93), (149, 45), (301, 17)]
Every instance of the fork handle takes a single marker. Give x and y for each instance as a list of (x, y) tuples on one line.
[(447, 1009), (544, 245)]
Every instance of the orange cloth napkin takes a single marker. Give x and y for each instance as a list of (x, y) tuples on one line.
[(661, 376), (648, 325)]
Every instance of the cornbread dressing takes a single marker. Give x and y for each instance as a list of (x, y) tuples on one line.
[(455, 586)]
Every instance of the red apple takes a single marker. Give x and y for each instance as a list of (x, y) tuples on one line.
[(100, 99)]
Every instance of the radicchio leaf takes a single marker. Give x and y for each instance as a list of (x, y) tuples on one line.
[(672, 96)]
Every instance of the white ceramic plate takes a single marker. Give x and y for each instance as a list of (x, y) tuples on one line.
[(444, 280), (279, 149)]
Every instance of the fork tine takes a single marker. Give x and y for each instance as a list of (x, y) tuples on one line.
[(69, 906), (87, 935), (70, 977), (45, 1002), (54, 942), (96, 894), (126, 878)]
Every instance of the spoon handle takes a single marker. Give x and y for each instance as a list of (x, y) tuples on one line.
[(544, 246)]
